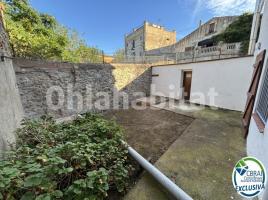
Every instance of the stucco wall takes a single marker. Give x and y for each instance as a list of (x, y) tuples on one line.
[(138, 37), (228, 77), (257, 143), (11, 112), (36, 77)]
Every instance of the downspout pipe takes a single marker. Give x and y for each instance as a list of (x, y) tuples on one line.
[(171, 187)]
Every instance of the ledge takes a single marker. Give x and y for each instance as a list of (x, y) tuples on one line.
[(202, 61)]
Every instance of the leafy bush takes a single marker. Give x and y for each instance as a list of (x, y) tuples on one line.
[(119, 55), (83, 159), (238, 31)]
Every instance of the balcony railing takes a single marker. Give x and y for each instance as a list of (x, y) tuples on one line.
[(198, 54)]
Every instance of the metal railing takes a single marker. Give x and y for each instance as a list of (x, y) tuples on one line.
[(141, 59), (208, 53)]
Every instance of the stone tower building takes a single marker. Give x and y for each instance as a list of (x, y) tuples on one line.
[(147, 37)]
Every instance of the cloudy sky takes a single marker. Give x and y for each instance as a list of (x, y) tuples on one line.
[(103, 23), (228, 7)]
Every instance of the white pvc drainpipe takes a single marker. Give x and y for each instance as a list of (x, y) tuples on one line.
[(171, 187)]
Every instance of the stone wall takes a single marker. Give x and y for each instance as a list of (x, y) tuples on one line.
[(77, 81), (146, 37), (157, 37), (131, 78)]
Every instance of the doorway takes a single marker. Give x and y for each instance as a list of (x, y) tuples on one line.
[(187, 83)]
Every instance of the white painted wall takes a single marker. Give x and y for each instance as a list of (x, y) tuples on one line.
[(230, 78), (167, 77), (11, 111), (257, 143)]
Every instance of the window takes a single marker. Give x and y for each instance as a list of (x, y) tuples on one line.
[(140, 37), (133, 44), (262, 104), (211, 28), (188, 49)]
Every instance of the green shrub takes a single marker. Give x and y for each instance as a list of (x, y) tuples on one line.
[(238, 31), (83, 159)]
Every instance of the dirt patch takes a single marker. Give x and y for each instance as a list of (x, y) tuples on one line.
[(150, 131)]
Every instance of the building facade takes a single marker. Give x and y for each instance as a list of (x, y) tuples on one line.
[(257, 139), (147, 37), (201, 37), (203, 34)]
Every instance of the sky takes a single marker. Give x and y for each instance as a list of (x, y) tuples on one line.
[(103, 23)]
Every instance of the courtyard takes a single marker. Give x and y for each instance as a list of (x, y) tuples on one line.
[(196, 148), (73, 125)]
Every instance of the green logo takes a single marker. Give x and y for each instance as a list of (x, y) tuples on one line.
[(241, 167), (249, 177)]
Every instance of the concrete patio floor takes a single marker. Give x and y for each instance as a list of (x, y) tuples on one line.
[(201, 160)]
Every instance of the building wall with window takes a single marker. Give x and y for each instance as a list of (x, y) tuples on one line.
[(211, 28), (134, 43), (228, 78), (257, 140), (148, 36), (206, 31)]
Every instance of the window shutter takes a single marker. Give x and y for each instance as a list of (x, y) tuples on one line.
[(253, 91)]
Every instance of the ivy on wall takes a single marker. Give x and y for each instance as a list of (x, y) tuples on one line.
[(238, 31)]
